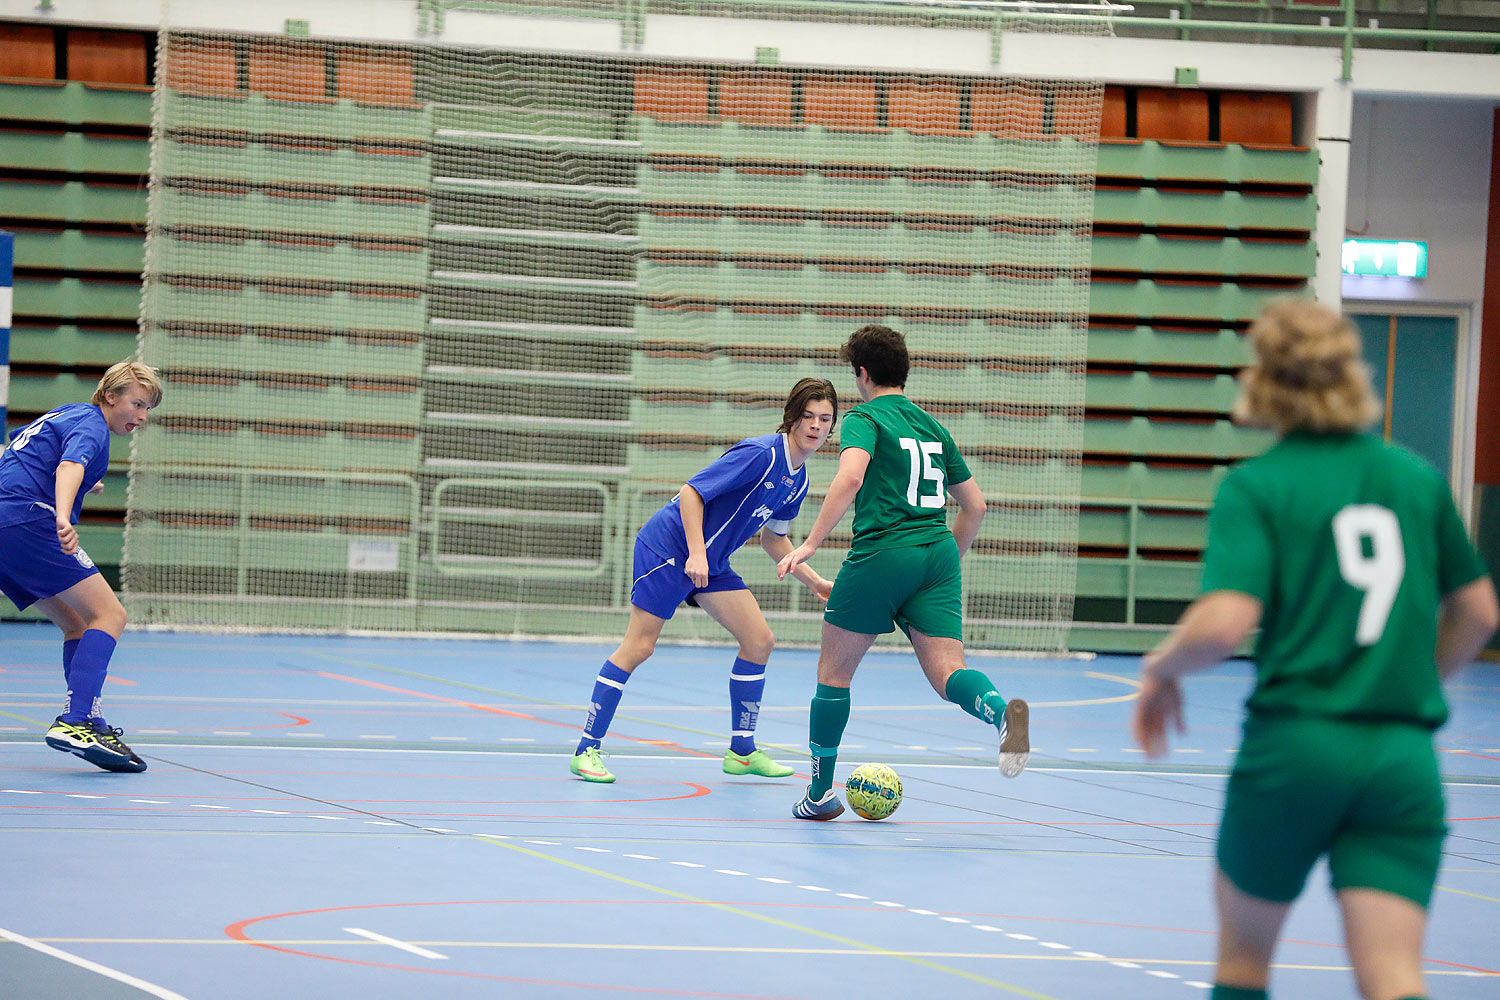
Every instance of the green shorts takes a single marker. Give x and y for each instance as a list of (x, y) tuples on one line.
[(1367, 794), (915, 587)]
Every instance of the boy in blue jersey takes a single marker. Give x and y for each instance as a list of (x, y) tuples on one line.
[(682, 554), (44, 473)]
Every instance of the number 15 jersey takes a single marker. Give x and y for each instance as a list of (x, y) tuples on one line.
[(1349, 544), (913, 461)]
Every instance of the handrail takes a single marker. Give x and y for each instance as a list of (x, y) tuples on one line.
[(632, 17)]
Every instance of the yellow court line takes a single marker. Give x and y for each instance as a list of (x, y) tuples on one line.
[(864, 948), (25, 718), (1474, 895)]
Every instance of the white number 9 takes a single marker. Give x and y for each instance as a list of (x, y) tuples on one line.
[(1377, 574)]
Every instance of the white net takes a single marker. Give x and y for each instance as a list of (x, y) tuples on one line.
[(442, 326)]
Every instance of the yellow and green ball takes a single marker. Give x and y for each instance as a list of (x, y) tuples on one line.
[(873, 791)]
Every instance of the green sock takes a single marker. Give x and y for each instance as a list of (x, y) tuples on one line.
[(825, 730), (975, 693), (1222, 992)]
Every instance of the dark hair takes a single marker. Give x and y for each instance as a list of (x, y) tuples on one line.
[(804, 392), (881, 352)]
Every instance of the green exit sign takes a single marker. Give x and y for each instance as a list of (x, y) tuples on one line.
[(1386, 258)]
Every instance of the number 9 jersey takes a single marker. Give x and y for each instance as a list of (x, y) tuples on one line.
[(1349, 544), (913, 461)]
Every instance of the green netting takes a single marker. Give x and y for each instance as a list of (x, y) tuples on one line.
[(442, 326)]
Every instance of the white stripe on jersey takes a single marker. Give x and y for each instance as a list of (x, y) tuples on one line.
[(752, 492)]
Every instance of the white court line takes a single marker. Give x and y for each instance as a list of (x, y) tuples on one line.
[(83, 963), (382, 939)]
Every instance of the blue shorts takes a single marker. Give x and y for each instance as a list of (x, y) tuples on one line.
[(659, 584), (34, 566)]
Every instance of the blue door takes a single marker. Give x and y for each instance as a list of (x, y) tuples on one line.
[(1413, 364)]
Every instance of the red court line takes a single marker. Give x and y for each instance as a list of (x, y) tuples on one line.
[(506, 712)]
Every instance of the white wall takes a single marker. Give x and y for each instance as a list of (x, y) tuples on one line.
[(1420, 170)]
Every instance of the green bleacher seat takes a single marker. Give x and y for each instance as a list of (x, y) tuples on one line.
[(79, 250), (333, 353), (74, 201), (342, 119), (1198, 300), (74, 152), (289, 306), (293, 211), (267, 162), (1144, 345), (1162, 438), (283, 400), (345, 449), (290, 258), (75, 103), (76, 298), (1218, 210), (68, 345), (1228, 163), (1160, 391), (1229, 256)]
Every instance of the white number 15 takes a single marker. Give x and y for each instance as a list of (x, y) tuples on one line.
[(923, 470)]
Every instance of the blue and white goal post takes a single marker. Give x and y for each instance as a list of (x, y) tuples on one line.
[(7, 252)]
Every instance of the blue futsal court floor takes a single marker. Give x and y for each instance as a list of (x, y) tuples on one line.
[(394, 818)]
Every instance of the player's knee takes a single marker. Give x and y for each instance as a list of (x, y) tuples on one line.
[(757, 646)]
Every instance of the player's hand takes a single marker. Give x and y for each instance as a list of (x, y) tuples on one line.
[(696, 569), (821, 588), (792, 560), (67, 536), (97, 488), (1159, 706)]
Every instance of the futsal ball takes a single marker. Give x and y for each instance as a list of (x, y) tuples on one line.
[(873, 791)]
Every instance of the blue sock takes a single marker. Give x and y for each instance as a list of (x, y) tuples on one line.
[(86, 676), (747, 682), (70, 646), (608, 687)]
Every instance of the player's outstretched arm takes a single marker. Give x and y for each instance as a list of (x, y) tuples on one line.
[(1210, 630), (778, 547), (841, 493), (1466, 620)]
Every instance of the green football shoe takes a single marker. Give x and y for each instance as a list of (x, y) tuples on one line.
[(754, 762), (590, 767)]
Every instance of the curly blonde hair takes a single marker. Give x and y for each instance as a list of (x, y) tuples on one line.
[(1309, 372)]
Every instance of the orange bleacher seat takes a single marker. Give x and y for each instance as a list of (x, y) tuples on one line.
[(1263, 119), (27, 51), (924, 105), (1114, 116), (672, 93), (289, 71), (107, 57), (376, 76), (1180, 115), (756, 97), (840, 100), (203, 66), (1010, 109)]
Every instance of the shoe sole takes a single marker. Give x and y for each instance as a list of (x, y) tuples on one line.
[(598, 779), (105, 760), (822, 817), (1015, 748)]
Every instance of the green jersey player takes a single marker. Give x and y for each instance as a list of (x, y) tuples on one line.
[(1349, 555), (898, 466)]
